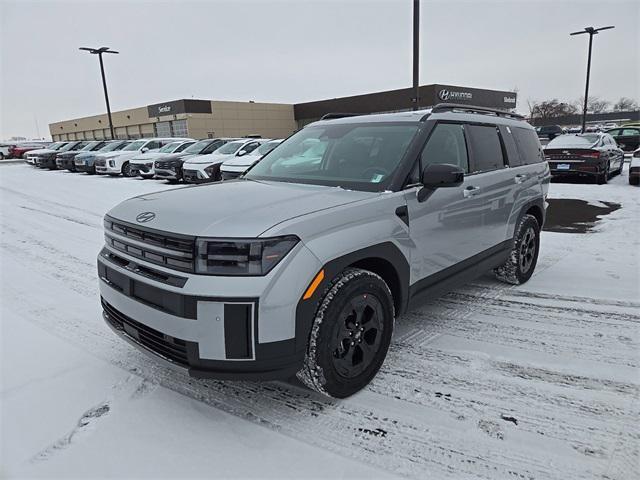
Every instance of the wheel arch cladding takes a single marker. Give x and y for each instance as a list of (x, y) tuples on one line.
[(384, 259), (536, 211)]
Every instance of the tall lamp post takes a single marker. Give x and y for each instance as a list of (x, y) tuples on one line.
[(416, 53), (591, 31), (99, 52)]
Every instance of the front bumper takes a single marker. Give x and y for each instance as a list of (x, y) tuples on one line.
[(66, 163), (46, 162), (143, 169), (168, 173), (103, 168), (246, 331)]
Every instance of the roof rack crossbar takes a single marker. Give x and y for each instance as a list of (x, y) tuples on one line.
[(445, 107), (332, 116)]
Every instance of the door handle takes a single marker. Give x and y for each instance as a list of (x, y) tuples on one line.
[(520, 178), (470, 191)]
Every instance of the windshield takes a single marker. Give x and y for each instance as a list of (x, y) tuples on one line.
[(229, 148), (110, 147), (198, 146), (356, 156), (573, 141), (55, 146), (90, 146), (67, 147), (134, 146), (265, 148), (169, 147)]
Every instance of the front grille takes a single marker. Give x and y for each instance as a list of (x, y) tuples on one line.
[(100, 162), (172, 349), (191, 175), (168, 164), (171, 251)]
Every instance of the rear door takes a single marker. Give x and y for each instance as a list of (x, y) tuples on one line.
[(492, 184)]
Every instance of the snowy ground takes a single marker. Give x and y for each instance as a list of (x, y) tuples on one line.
[(491, 381)]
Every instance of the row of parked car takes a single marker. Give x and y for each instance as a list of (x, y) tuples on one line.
[(626, 136), (172, 159)]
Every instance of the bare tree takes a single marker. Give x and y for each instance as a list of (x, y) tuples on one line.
[(594, 105), (625, 104), (548, 109)]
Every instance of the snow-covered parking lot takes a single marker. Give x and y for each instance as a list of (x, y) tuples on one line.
[(539, 381)]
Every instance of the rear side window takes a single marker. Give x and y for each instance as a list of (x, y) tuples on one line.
[(528, 145), (513, 156), (486, 147), (630, 132), (446, 145)]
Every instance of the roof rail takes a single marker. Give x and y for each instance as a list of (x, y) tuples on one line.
[(332, 116), (445, 107)]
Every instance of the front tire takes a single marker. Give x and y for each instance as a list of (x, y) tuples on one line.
[(524, 256), (126, 170), (350, 334)]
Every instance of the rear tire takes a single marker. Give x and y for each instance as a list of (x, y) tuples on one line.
[(524, 256), (603, 178), (350, 334)]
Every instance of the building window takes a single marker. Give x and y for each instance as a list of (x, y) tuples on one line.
[(163, 129), (179, 128)]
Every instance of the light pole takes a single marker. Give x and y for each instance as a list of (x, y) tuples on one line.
[(416, 53), (591, 31), (99, 52)]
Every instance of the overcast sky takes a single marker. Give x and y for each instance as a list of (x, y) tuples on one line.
[(294, 51)]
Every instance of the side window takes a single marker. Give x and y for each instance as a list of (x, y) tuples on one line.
[(630, 132), (528, 145), (446, 144), (153, 144), (250, 147), (212, 147), (486, 147), (513, 156), (182, 147), (614, 132)]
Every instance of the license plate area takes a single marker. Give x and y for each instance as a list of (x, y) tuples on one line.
[(563, 166)]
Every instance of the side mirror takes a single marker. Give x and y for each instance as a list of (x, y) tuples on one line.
[(242, 152), (144, 149), (439, 175)]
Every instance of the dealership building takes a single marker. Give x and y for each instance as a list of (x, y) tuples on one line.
[(212, 118)]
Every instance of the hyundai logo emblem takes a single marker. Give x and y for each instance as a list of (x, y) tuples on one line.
[(444, 94), (145, 217)]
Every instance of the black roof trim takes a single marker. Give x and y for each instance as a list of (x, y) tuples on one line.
[(332, 116), (447, 107)]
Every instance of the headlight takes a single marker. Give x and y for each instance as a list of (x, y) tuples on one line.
[(240, 256)]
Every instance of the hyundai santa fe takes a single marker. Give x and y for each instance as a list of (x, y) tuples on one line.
[(300, 266)]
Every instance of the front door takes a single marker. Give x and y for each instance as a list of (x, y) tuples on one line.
[(444, 228)]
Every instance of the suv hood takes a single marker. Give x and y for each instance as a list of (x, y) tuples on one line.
[(41, 151), (243, 208), (244, 161)]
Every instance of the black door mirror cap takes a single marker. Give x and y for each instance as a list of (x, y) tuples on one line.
[(439, 175)]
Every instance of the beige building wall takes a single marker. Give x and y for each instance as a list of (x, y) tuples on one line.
[(228, 119)]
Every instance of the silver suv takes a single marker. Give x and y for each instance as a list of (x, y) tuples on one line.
[(300, 266)]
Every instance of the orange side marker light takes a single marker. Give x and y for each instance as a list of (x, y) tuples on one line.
[(312, 288)]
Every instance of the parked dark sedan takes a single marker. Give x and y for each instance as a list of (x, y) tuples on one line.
[(627, 138), (550, 132), (47, 159), (66, 160), (585, 154)]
